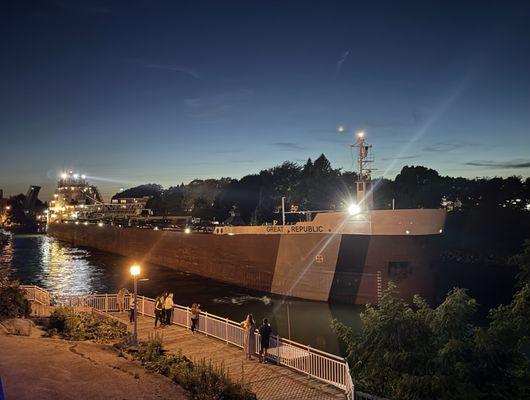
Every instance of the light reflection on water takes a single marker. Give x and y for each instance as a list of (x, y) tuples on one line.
[(61, 268)]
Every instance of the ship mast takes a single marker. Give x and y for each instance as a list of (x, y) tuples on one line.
[(364, 172)]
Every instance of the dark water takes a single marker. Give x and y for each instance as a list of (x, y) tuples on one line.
[(59, 267)]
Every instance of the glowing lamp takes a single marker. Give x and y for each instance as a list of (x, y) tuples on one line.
[(76, 176), (135, 270), (187, 230), (360, 134), (354, 209), (63, 175)]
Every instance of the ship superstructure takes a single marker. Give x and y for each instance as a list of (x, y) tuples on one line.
[(78, 201), (73, 194)]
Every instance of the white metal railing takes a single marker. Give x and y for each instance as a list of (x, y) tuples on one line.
[(315, 363), (37, 294)]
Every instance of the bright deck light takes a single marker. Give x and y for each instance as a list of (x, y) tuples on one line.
[(360, 134), (135, 270), (63, 175), (354, 209), (187, 230)]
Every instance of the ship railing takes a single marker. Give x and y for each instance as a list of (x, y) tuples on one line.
[(314, 363)]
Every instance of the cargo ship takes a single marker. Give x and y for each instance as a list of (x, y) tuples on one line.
[(337, 256)]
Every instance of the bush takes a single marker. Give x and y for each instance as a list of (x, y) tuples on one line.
[(13, 303), (203, 381), (74, 325), (415, 352)]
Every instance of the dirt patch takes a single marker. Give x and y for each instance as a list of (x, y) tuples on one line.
[(35, 367)]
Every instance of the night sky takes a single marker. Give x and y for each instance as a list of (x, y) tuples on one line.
[(131, 92)]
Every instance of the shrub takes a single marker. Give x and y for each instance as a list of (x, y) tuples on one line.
[(13, 303), (203, 381), (415, 352), (74, 325)]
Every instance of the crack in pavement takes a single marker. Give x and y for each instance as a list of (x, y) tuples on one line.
[(73, 350)]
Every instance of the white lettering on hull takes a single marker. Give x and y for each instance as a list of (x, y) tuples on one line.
[(295, 229)]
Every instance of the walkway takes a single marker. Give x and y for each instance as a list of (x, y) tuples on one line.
[(268, 381)]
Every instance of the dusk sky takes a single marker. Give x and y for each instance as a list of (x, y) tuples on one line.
[(132, 92)]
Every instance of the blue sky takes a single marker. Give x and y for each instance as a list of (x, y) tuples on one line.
[(163, 91)]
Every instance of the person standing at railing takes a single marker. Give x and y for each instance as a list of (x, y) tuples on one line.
[(168, 308), (159, 309), (265, 332), (132, 306), (121, 299), (249, 336), (195, 312)]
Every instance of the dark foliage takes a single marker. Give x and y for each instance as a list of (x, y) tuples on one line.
[(13, 303), (203, 381), (488, 219), (73, 325), (418, 352)]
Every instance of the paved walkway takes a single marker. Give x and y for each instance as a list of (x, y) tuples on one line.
[(268, 381)]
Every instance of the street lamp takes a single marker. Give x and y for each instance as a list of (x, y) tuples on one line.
[(135, 272)]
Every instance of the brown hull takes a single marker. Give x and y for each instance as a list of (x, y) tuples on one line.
[(319, 266)]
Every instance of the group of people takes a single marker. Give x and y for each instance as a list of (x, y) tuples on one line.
[(163, 314), (164, 309), (249, 338)]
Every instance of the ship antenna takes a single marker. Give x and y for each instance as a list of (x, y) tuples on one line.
[(364, 171)]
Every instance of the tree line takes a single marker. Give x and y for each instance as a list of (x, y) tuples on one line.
[(488, 217)]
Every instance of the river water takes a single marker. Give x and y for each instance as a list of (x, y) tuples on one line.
[(61, 268)]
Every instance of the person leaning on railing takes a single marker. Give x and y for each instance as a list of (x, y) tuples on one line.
[(168, 308), (159, 309), (195, 312), (121, 299), (265, 332), (249, 337)]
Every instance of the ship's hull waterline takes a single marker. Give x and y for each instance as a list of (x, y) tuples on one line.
[(349, 268)]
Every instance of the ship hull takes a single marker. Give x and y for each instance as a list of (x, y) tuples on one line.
[(317, 266)]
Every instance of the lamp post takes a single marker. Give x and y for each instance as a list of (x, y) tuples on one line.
[(135, 272)]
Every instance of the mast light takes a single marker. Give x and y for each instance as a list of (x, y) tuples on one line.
[(354, 209)]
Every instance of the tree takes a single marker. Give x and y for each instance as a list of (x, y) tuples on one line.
[(417, 352), (13, 302)]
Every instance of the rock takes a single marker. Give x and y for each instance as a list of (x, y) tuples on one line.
[(19, 326)]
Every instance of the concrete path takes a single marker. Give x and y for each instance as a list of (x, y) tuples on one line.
[(33, 367), (268, 381)]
